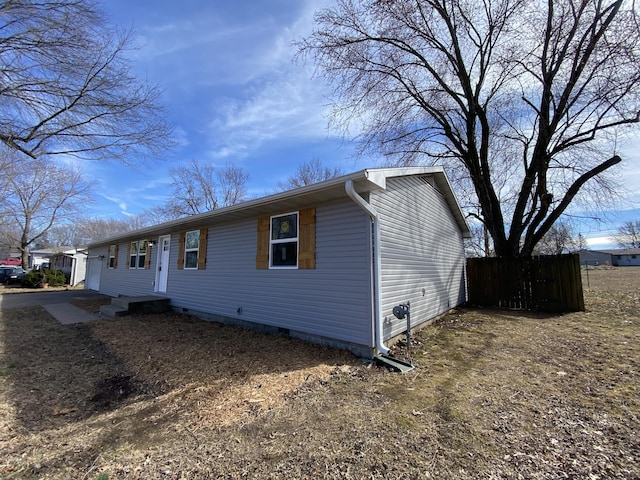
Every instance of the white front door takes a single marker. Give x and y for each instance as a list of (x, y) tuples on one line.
[(162, 274)]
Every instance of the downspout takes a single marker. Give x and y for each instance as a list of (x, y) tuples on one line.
[(377, 268)]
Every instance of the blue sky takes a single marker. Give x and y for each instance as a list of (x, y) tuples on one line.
[(235, 95), (231, 89)]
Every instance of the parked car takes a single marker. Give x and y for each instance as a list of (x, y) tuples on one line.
[(11, 275)]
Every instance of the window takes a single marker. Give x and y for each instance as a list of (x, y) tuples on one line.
[(284, 240), (133, 254), (143, 245), (193, 250), (113, 256), (192, 241), (138, 257), (287, 241)]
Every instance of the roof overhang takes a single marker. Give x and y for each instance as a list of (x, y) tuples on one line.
[(364, 181)]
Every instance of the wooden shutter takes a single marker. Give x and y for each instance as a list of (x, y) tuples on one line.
[(147, 258), (183, 236), (128, 254), (307, 239), (202, 249), (115, 257), (262, 250)]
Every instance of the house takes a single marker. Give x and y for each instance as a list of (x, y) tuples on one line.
[(627, 257), (326, 262), (594, 257), (40, 257), (621, 257), (72, 261)]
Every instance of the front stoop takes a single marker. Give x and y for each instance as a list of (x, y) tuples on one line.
[(121, 306)]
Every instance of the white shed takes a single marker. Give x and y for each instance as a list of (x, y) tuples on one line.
[(72, 261)]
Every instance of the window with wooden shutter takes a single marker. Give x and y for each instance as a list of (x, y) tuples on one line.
[(287, 241), (193, 250)]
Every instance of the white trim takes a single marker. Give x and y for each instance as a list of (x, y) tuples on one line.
[(376, 267), (363, 181), (162, 276), (284, 240), (186, 249)]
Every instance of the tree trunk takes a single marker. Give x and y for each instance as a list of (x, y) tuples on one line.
[(24, 256)]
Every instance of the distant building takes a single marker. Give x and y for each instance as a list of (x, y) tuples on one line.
[(39, 257), (622, 257), (72, 261)]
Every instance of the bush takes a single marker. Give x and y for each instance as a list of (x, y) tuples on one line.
[(55, 278), (37, 278), (34, 279)]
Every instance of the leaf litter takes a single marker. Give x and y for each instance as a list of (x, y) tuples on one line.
[(496, 394)]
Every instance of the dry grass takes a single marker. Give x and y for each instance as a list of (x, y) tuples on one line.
[(495, 395)]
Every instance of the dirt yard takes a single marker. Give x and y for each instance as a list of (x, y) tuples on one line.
[(496, 394)]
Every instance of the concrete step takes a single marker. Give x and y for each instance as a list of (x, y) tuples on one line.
[(142, 304), (113, 311)]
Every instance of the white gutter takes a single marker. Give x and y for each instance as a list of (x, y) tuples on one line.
[(377, 269)]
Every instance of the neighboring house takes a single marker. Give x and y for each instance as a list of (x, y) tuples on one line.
[(628, 257), (624, 257), (40, 257), (594, 258), (325, 262), (73, 262)]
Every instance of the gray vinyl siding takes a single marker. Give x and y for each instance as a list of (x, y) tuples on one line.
[(333, 300), (422, 252), (123, 280)]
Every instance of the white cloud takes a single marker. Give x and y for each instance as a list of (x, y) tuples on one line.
[(279, 100), (596, 243), (122, 205)]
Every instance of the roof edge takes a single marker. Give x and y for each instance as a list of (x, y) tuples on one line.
[(367, 180)]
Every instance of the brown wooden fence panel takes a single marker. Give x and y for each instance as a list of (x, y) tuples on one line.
[(549, 283)]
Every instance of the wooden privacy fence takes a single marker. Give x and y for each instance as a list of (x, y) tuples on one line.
[(546, 283)]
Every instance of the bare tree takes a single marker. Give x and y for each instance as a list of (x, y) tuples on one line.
[(559, 239), (232, 184), (581, 242), (309, 173), (479, 244), (66, 86), (629, 235), (8, 170), (201, 187), (516, 97), (82, 231), (42, 193), (63, 234), (474, 246)]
